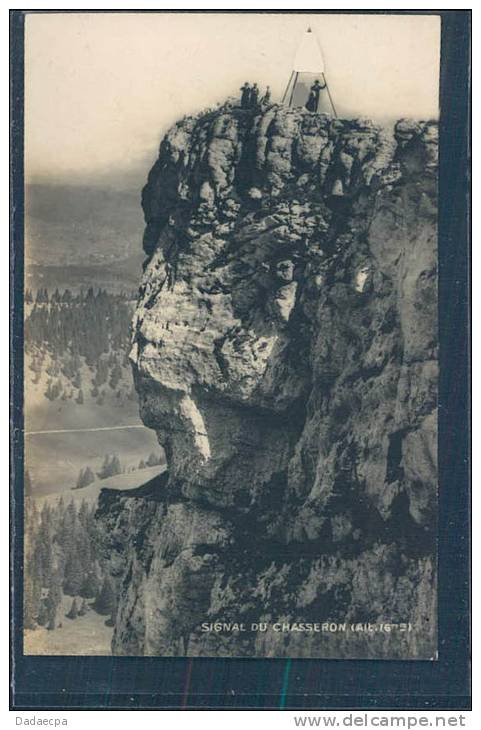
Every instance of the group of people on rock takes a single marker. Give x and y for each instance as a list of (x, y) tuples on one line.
[(250, 96), (312, 103)]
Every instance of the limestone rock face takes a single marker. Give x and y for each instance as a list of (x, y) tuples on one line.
[(285, 352)]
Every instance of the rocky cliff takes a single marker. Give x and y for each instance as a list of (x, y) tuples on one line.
[(284, 350)]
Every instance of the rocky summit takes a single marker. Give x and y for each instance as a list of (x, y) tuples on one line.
[(285, 352)]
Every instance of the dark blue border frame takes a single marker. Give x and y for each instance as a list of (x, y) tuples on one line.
[(149, 683)]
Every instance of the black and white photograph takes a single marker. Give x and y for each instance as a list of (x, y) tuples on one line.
[(231, 335)]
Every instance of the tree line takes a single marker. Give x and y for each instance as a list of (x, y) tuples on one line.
[(87, 326), (67, 296)]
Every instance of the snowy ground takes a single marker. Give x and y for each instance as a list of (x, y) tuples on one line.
[(86, 635)]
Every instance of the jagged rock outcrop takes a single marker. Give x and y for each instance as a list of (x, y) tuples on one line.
[(284, 350)]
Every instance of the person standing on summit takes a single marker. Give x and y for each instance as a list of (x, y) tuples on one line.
[(312, 103), (254, 96), (267, 96), (245, 95)]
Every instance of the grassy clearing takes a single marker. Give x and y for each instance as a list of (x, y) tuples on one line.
[(84, 636)]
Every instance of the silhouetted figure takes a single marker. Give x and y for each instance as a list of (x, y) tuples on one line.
[(245, 95), (312, 103), (267, 96), (254, 96)]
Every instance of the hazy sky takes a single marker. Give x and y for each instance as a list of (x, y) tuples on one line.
[(102, 88)]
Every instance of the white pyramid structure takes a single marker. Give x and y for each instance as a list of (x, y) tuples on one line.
[(308, 58), (308, 67)]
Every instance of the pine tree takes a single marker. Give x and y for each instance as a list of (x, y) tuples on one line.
[(90, 587), (74, 610), (53, 600), (67, 528), (43, 547), (80, 398), (43, 614), (74, 576), (31, 599), (53, 389), (83, 608), (115, 466), (83, 547), (115, 376), (83, 514), (154, 460), (105, 602), (32, 570), (91, 526), (111, 466), (85, 477), (68, 538), (53, 369), (59, 515), (104, 470), (102, 372), (35, 584)]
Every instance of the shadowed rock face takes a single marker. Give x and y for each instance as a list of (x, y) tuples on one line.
[(284, 350)]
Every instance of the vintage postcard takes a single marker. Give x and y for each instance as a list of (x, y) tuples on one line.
[(231, 335)]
